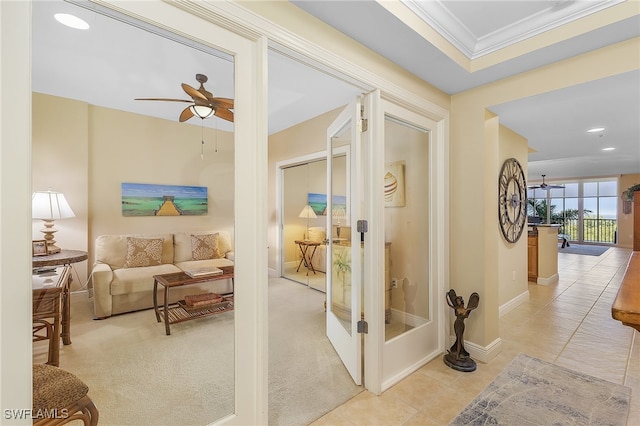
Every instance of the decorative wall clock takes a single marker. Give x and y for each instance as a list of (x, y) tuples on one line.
[(512, 200)]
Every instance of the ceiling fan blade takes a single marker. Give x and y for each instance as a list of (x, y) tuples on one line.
[(224, 114), (186, 114), (163, 99), (222, 102), (193, 92), (534, 187)]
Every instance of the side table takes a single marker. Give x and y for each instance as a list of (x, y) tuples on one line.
[(64, 258), (307, 257)]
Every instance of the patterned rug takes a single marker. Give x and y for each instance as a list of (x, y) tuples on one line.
[(530, 391)]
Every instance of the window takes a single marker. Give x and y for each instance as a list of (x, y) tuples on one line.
[(586, 210)]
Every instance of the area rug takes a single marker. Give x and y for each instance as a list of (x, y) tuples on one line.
[(530, 391), (584, 249)]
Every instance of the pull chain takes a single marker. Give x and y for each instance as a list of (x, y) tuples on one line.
[(202, 140)]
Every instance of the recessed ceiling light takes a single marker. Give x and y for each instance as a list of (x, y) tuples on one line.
[(608, 149), (595, 130), (71, 21)]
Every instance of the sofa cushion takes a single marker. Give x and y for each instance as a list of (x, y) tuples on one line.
[(112, 249), (135, 280), (317, 234), (204, 246), (143, 252), (183, 248), (197, 264)]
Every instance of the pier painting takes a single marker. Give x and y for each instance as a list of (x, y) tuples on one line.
[(318, 203), (141, 199)]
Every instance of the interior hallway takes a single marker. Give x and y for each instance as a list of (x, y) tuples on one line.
[(568, 323)]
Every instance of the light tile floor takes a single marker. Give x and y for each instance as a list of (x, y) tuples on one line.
[(568, 323)]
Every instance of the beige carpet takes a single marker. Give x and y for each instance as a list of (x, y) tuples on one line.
[(139, 376), (530, 391)]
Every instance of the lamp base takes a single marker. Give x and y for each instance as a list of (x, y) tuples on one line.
[(48, 232), (53, 249)]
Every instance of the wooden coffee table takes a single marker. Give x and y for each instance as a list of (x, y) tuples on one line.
[(179, 312)]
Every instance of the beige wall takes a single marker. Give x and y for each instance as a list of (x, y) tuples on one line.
[(625, 221), (59, 159), (512, 257), (95, 150), (305, 138), (475, 164)]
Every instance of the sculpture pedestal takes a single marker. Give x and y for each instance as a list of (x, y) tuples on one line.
[(465, 364)]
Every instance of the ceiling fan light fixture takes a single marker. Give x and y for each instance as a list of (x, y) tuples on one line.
[(71, 21), (202, 111), (596, 130)]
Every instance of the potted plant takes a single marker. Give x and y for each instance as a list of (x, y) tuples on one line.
[(629, 192)]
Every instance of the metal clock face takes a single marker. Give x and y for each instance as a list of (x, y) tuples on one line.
[(512, 200)]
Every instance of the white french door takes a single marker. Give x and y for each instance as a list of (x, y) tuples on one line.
[(411, 217), (391, 177), (344, 257)]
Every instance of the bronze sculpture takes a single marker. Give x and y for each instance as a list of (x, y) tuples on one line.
[(457, 357)]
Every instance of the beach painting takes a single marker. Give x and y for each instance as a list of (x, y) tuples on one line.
[(318, 203), (142, 199)]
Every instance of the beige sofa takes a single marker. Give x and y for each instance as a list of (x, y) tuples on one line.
[(122, 275)]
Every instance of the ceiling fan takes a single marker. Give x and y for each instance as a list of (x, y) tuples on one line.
[(204, 105), (543, 185)]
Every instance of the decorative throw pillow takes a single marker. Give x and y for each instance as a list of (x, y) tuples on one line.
[(205, 246), (317, 234), (143, 252)]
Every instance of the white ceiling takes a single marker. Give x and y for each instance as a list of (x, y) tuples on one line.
[(113, 63), (554, 123)]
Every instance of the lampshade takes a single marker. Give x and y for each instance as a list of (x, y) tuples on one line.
[(339, 213), (202, 111), (49, 205), (307, 212)]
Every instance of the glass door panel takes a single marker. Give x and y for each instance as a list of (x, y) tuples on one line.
[(406, 218), (344, 264), (413, 255)]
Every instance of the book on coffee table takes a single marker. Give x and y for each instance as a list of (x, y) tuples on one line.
[(203, 272)]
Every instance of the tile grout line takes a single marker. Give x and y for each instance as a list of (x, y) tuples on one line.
[(564, 347)]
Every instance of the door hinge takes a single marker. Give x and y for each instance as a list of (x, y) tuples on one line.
[(363, 327), (363, 125), (362, 226)]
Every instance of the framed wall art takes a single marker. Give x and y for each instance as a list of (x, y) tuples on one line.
[(394, 195), (318, 203), (141, 199)]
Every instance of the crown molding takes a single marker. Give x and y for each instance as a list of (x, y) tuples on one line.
[(557, 14)]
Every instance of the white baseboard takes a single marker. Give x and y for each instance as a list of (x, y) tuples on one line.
[(406, 318), (479, 353), (513, 303), (407, 371), (550, 280)]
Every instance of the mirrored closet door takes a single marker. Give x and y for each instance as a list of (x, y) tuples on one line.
[(304, 233)]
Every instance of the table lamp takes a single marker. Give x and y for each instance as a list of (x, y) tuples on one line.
[(339, 214), (307, 212), (49, 206)]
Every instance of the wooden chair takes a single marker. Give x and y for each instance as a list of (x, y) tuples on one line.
[(59, 397), (46, 320)]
